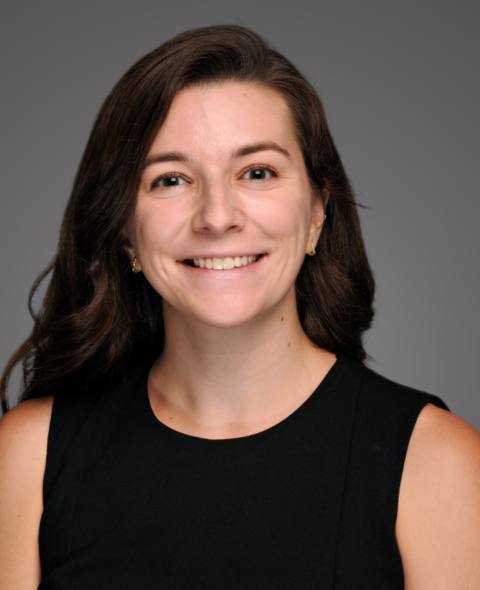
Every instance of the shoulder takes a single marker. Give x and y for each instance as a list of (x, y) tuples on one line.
[(23, 449), (387, 413), (386, 392), (438, 522), (24, 425)]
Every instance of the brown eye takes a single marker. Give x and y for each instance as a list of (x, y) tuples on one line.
[(169, 181), (258, 174)]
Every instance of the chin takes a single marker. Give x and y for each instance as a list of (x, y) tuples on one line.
[(228, 317)]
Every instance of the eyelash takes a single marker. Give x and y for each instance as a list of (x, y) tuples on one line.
[(253, 167), (261, 167), (167, 175)]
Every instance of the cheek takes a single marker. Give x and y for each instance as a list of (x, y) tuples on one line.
[(155, 228), (288, 219)]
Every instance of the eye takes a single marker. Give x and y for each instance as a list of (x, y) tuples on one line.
[(169, 180), (258, 173)]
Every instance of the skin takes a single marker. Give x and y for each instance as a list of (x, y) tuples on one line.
[(236, 360)]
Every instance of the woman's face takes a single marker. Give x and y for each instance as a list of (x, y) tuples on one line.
[(225, 180)]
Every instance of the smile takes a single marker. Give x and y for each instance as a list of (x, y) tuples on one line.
[(223, 263)]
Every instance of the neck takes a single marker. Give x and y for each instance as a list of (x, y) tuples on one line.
[(221, 383)]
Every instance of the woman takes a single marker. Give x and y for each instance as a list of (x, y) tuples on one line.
[(206, 421)]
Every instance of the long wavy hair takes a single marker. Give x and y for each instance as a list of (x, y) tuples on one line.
[(97, 317)]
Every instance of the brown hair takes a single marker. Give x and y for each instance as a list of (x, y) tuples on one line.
[(98, 315)]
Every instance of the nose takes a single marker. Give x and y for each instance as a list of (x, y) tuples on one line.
[(218, 210)]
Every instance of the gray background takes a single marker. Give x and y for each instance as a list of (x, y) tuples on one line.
[(399, 81)]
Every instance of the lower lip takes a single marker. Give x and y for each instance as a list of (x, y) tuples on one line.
[(231, 273)]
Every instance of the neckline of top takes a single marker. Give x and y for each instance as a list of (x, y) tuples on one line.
[(182, 438)]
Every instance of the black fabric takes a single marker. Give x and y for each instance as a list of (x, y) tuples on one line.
[(308, 503)]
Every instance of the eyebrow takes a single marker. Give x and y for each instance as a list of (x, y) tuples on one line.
[(261, 146), (167, 157)]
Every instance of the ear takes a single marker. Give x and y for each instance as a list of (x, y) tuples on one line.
[(130, 252), (319, 206)]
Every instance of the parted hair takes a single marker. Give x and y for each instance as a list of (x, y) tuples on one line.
[(97, 317)]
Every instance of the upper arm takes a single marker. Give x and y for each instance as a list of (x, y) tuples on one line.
[(438, 523), (23, 451)]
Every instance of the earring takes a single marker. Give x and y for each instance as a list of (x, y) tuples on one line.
[(134, 266), (312, 252)]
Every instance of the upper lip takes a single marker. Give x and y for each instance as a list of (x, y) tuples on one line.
[(216, 255)]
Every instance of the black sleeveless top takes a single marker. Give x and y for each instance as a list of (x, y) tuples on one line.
[(309, 503)]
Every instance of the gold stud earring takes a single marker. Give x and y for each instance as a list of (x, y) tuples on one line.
[(134, 266), (312, 252)]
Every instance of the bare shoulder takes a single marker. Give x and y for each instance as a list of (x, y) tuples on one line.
[(24, 431), (438, 522), (23, 449), (31, 413)]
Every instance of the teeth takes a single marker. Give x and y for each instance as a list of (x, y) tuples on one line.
[(228, 263), (218, 264), (224, 263)]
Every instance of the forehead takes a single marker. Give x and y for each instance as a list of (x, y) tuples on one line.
[(223, 116)]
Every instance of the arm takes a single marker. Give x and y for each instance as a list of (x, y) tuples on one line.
[(23, 450), (438, 522)]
